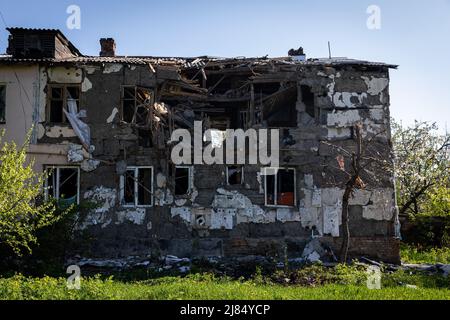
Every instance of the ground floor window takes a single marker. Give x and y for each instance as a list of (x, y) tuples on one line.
[(183, 180), (136, 187), (280, 187), (63, 184)]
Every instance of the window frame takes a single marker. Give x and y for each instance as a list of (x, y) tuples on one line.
[(58, 168), (276, 187), (4, 86), (136, 187), (191, 181), (64, 99), (122, 99)]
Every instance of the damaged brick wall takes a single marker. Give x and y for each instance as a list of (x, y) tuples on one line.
[(323, 101)]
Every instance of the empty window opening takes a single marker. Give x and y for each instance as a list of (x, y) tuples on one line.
[(136, 105), (128, 103), (58, 99), (136, 187), (183, 180), (280, 108), (308, 100), (145, 138), (235, 175), (63, 185), (280, 187), (2, 103)]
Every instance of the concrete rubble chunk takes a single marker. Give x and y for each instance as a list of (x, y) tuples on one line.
[(313, 251)]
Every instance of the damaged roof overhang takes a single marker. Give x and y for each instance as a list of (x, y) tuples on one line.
[(211, 63)]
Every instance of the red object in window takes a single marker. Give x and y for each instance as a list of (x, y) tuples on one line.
[(286, 199)]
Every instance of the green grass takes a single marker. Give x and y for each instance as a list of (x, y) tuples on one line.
[(411, 254), (202, 287), (314, 282)]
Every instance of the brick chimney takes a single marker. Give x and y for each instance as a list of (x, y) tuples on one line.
[(108, 46)]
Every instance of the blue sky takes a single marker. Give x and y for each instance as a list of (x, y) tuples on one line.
[(413, 34)]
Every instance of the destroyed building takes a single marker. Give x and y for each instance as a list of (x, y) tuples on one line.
[(101, 127)]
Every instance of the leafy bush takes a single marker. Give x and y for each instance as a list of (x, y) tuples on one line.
[(21, 212), (53, 242)]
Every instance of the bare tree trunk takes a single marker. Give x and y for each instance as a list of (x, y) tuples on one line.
[(345, 223), (352, 183)]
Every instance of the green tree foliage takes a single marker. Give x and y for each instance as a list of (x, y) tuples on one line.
[(438, 201), (22, 212), (422, 168)]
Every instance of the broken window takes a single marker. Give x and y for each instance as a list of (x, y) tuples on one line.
[(136, 105), (136, 187), (2, 103), (235, 175), (308, 100), (183, 180), (58, 97), (280, 187), (63, 184), (280, 108)]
